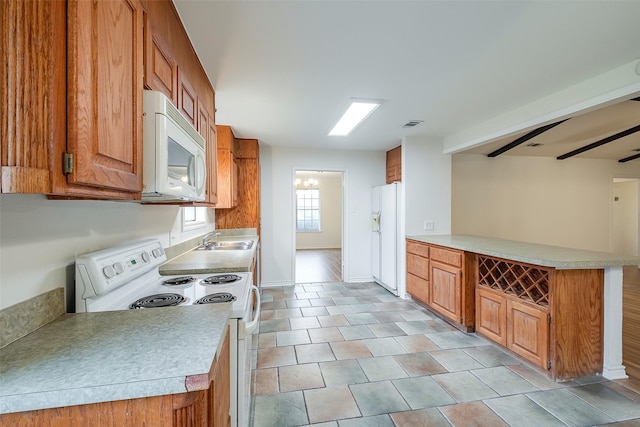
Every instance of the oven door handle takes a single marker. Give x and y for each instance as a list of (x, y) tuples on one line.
[(250, 327)]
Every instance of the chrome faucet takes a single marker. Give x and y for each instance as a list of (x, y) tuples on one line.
[(206, 239)]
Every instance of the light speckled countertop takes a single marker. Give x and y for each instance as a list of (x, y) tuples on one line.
[(112, 355), (205, 262), (548, 256)]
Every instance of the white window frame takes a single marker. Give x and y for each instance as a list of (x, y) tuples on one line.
[(193, 218), (307, 230)]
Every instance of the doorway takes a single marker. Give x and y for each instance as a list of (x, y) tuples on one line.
[(318, 204)]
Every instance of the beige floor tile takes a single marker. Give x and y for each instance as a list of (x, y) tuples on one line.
[(309, 353), (276, 356), (422, 418), (335, 320), (267, 340), (350, 350), (304, 323), (330, 404), (266, 381), (300, 377), (325, 335), (472, 414)]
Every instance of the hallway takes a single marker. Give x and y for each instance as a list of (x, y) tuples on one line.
[(354, 355)]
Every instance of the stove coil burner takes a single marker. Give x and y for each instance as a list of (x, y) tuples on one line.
[(221, 279), (216, 298), (158, 300), (183, 281)]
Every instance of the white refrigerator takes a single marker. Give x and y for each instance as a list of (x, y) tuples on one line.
[(385, 221)]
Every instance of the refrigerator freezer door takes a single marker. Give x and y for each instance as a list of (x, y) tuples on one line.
[(388, 221), (375, 234)]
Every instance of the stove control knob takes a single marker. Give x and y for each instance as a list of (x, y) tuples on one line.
[(145, 256), (109, 271), (157, 252), (118, 268)]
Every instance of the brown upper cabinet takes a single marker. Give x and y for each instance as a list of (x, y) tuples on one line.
[(77, 132), (104, 103), (394, 165), (160, 67), (227, 168)]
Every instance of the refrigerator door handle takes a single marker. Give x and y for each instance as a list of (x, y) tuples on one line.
[(375, 221)]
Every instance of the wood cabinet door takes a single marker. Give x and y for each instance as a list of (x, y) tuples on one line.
[(220, 390), (187, 98), (491, 315), (445, 290), (105, 83), (212, 163), (160, 69), (208, 130), (528, 332)]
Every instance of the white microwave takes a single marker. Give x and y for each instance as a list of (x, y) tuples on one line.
[(174, 166)]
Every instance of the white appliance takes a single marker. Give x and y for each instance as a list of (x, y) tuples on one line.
[(127, 277), (174, 166), (385, 227)]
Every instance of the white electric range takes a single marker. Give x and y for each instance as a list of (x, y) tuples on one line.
[(127, 277)]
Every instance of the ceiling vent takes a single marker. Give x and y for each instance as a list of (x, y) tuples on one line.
[(636, 149), (412, 123), (534, 144)]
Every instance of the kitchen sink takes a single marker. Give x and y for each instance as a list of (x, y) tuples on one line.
[(226, 246)]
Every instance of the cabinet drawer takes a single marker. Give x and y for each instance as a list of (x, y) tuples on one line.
[(418, 248), (446, 256), (418, 288), (418, 266)]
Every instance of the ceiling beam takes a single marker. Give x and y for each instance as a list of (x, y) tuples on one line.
[(601, 142), (525, 138), (635, 99), (628, 159)]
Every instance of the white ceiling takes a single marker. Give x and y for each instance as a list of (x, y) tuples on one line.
[(284, 71)]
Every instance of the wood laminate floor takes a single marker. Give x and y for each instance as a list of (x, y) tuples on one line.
[(318, 265), (631, 321)]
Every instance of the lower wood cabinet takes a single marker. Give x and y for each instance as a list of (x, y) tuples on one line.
[(202, 408), (443, 279), (445, 290), (552, 318), (519, 326)]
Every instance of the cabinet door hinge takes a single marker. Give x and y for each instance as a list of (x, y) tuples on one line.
[(548, 318), (67, 163), (461, 274), (548, 364)]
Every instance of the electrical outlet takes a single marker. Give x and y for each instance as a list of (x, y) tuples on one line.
[(428, 225)]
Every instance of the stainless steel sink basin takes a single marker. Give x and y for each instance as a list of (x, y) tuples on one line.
[(226, 246)]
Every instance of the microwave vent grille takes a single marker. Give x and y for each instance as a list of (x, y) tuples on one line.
[(183, 123)]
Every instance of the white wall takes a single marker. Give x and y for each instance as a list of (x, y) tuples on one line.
[(40, 238), (330, 235), (426, 178), (625, 234), (537, 199), (363, 170)]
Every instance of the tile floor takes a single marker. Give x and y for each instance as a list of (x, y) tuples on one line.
[(347, 355)]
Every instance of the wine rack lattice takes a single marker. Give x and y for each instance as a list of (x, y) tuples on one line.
[(522, 281)]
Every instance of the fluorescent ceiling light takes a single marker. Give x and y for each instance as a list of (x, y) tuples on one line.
[(359, 110)]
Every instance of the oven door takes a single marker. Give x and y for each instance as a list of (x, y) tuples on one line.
[(247, 335)]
